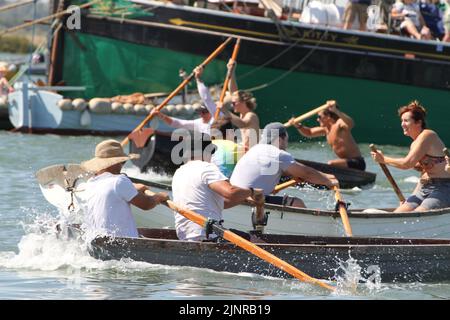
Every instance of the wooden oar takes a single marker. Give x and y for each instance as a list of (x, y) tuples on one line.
[(389, 177), (246, 245), (228, 77), (343, 212), (178, 89), (284, 185), (307, 115), (56, 15)]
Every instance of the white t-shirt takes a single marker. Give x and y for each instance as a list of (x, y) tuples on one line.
[(108, 208), (412, 10), (190, 190), (261, 167), (193, 125)]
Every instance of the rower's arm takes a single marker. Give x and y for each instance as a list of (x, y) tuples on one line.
[(308, 132), (418, 151), (308, 174), (205, 95), (147, 202), (346, 119), (232, 195), (232, 85)]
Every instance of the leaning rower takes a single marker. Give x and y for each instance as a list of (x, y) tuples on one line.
[(264, 164), (425, 155)]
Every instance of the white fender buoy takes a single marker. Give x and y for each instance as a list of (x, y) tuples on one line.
[(65, 104), (117, 107), (99, 105), (79, 104), (129, 108), (140, 109)]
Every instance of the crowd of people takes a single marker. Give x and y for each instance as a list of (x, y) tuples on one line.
[(202, 184), (418, 19)]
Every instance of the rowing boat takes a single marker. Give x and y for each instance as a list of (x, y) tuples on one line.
[(380, 259), (156, 155), (313, 222)]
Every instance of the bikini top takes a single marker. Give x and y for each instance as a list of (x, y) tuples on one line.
[(428, 162)]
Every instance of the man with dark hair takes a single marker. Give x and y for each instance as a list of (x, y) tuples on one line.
[(199, 185), (336, 126), (264, 164)]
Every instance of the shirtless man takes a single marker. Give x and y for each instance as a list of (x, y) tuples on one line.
[(336, 126)]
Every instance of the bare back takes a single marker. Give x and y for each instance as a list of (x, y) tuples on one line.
[(341, 140)]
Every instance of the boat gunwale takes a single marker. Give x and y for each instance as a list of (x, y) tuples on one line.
[(292, 23), (355, 213)]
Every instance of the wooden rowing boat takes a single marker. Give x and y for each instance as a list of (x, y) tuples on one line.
[(156, 155), (380, 259), (313, 222)]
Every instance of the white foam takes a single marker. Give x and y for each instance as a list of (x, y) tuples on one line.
[(412, 179)]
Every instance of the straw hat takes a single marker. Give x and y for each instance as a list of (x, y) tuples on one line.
[(107, 154)]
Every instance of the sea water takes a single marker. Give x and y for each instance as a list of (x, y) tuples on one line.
[(36, 264)]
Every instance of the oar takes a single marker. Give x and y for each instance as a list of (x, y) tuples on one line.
[(389, 177), (246, 245), (343, 212), (284, 185), (178, 89), (307, 115), (228, 77)]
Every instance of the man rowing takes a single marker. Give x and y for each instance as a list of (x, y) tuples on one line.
[(425, 155), (110, 194), (199, 185), (264, 164), (336, 126)]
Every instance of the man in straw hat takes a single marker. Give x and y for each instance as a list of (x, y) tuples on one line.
[(111, 193), (199, 185), (264, 164)]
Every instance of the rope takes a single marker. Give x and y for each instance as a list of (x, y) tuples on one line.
[(15, 5), (293, 68)]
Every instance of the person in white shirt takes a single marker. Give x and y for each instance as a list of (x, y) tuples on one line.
[(264, 164), (199, 186), (109, 193), (407, 13)]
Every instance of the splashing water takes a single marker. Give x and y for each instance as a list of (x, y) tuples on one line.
[(350, 274)]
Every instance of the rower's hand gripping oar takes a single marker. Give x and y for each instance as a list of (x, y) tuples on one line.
[(245, 244), (177, 90), (386, 171), (307, 115), (227, 78), (342, 207)]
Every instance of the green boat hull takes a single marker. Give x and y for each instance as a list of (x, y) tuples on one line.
[(113, 67)]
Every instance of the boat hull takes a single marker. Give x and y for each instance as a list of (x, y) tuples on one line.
[(315, 65), (385, 260), (313, 222)]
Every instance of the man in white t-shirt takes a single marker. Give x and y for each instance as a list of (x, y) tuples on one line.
[(264, 164), (199, 186), (109, 193)]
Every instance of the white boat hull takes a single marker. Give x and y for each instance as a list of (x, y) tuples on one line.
[(314, 222)]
